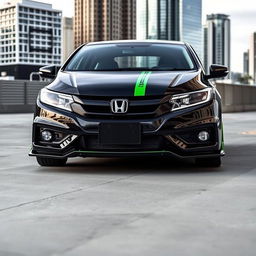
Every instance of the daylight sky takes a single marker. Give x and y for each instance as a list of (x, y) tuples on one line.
[(243, 22)]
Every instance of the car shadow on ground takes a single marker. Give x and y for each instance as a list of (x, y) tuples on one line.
[(242, 156), (131, 166)]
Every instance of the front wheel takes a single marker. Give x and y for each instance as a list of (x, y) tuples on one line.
[(209, 161), (43, 161)]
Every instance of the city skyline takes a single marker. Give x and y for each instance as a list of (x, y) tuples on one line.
[(243, 22)]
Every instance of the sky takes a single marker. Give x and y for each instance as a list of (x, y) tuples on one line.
[(243, 22)]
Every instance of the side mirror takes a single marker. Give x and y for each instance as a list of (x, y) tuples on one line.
[(217, 71), (49, 71)]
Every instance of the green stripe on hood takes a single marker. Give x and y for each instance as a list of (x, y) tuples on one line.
[(141, 84)]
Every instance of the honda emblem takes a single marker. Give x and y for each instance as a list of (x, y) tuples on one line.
[(119, 106)]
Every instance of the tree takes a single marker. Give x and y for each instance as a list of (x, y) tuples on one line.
[(245, 79)]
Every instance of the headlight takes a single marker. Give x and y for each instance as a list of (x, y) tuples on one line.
[(185, 100), (55, 99)]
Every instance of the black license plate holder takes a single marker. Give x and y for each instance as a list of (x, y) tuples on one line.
[(120, 134)]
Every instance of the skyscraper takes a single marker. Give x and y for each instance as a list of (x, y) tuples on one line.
[(191, 24), (217, 38), (67, 38), (252, 57), (98, 20), (171, 20), (30, 37), (246, 63), (158, 19), (205, 47)]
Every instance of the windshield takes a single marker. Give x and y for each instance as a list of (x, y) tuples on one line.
[(121, 57)]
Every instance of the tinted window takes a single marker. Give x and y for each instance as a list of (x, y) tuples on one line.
[(120, 57)]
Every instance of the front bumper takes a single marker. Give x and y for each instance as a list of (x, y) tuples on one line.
[(173, 134)]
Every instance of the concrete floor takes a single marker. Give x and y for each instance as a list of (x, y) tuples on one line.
[(128, 207)]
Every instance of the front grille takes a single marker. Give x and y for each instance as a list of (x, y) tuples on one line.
[(92, 142), (139, 107)]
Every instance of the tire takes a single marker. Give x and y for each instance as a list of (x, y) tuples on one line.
[(43, 161), (209, 162)]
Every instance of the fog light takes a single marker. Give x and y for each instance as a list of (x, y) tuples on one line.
[(203, 136), (46, 135)]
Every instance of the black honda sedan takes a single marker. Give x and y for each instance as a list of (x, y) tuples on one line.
[(129, 98)]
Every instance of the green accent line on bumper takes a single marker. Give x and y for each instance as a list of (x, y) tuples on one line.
[(222, 137), (111, 152), (141, 84)]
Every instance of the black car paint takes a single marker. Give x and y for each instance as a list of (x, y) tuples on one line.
[(121, 83)]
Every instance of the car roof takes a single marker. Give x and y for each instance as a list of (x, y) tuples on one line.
[(137, 42)]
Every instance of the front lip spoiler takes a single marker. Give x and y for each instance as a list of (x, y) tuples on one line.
[(125, 154)]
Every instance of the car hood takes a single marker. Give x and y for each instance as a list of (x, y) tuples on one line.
[(127, 83)]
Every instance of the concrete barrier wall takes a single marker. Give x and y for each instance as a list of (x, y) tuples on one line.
[(237, 98), (19, 96)]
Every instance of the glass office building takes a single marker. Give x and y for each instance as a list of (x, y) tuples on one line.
[(217, 40), (30, 37), (192, 31), (158, 19), (171, 20)]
